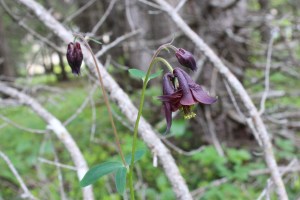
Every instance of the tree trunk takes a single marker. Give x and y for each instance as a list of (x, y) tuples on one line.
[(63, 75), (6, 66)]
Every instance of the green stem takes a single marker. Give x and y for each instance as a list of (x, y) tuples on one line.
[(154, 60), (105, 97)]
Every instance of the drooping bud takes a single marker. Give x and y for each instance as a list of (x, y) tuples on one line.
[(186, 59), (74, 57)]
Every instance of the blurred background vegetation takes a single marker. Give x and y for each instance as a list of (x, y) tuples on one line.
[(239, 31)]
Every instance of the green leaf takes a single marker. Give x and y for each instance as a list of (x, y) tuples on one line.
[(120, 180), (98, 171), (137, 156), (136, 73), (156, 74)]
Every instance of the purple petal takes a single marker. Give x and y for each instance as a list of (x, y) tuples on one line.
[(168, 87), (202, 96), (187, 97), (168, 115), (186, 76)]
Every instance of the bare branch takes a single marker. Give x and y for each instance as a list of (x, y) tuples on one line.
[(43, 160), (211, 128), (267, 73), (104, 16), (27, 194), (30, 130), (79, 11), (30, 30), (57, 127), (121, 98), (180, 5), (81, 107), (117, 41), (239, 89)]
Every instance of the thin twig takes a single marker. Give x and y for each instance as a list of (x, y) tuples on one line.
[(117, 41), (182, 152), (43, 160), (128, 15), (30, 130), (267, 73), (81, 107), (79, 11), (60, 131), (27, 193), (180, 5), (59, 173), (30, 30), (212, 132), (104, 16)]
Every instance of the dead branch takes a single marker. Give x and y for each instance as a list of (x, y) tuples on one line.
[(27, 193), (57, 127), (123, 101), (239, 89)]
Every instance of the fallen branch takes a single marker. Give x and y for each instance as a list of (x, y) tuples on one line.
[(123, 101), (27, 193), (239, 89), (61, 132)]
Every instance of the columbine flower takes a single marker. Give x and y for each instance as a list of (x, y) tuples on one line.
[(74, 57), (186, 59), (182, 96)]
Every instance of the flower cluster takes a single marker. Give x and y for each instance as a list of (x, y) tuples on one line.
[(180, 91)]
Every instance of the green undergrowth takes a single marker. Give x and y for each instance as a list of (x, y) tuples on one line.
[(201, 170)]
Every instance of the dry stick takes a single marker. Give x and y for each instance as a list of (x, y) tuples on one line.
[(117, 41), (240, 90), (212, 131), (104, 16), (43, 160), (81, 107), (23, 128), (267, 74), (61, 132), (123, 101), (27, 28), (27, 193), (59, 173), (79, 11)]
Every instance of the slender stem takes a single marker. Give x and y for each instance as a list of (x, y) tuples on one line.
[(105, 98), (154, 60)]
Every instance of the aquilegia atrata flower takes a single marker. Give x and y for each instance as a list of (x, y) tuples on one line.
[(74, 57), (186, 59), (181, 95)]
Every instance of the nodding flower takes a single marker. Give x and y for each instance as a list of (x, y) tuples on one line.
[(186, 59), (74, 57), (181, 92)]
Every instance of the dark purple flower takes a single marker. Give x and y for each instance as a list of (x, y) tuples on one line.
[(74, 57), (182, 95), (186, 59)]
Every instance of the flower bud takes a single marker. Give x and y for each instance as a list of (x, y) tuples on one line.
[(74, 57), (186, 59)]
